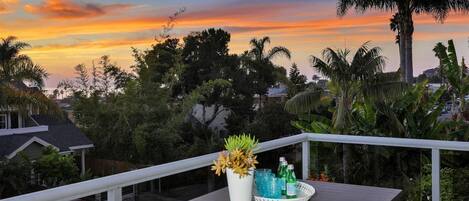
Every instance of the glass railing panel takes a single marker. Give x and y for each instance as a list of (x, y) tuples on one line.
[(407, 169), (454, 175)]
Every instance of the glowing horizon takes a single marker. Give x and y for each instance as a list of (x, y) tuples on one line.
[(64, 33)]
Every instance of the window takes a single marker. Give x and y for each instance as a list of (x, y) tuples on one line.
[(14, 120), (3, 121)]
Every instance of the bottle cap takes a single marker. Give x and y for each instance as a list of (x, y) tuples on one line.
[(282, 159), (290, 167)]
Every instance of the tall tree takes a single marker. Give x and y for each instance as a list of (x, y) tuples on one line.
[(361, 77), (15, 69), (298, 80), (205, 54), (265, 73), (439, 9), (207, 59), (454, 74)]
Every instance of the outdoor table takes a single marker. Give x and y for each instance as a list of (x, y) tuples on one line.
[(326, 191)]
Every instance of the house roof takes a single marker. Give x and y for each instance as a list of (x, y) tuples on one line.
[(278, 91), (19, 85), (62, 134)]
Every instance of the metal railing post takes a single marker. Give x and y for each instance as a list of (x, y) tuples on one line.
[(435, 174), (305, 153), (114, 194)]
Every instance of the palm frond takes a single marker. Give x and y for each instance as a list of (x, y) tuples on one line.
[(258, 47), (321, 66), (440, 9), (28, 71), (277, 51), (23, 100), (304, 102), (361, 6)]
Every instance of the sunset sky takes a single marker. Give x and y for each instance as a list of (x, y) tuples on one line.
[(64, 33)]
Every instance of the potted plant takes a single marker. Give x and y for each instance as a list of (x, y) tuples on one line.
[(239, 162)]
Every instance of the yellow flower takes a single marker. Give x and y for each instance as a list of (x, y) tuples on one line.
[(237, 154), (238, 159), (217, 167)]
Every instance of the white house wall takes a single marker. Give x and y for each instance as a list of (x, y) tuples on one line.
[(219, 124)]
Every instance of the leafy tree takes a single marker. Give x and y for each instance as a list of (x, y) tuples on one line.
[(403, 21), (259, 61), (163, 58), (206, 55), (117, 76), (361, 77), (272, 122), (209, 94), (454, 74), (413, 114), (55, 169), (83, 79), (139, 118), (297, 80), (14, 177), (104, 79), (15, 68), (207, 58)]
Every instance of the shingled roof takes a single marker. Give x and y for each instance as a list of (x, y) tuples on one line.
[(61, 134)]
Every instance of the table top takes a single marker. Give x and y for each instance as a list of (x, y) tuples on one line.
[(326, 191)]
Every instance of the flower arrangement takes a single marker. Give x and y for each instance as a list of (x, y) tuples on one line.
[(239, 155)]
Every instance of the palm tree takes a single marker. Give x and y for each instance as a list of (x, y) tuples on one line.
[(453, 73), (360, 78), (405, 10), (15, 68), (260, 54), (261, 62)]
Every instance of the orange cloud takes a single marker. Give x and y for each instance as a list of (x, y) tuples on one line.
[(5, 5), (97, 44), (67, 9)]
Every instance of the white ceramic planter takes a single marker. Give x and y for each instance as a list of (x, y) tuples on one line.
[(240, 188)]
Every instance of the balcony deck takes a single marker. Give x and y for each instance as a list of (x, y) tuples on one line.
[(326, 191)]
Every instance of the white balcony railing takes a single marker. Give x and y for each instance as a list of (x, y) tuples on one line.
[(113, 184)]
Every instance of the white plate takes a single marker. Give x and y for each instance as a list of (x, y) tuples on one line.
[(304, 190)]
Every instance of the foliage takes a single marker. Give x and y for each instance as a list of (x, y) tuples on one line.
[(305, 101), (414, 114), (14, 177), (206, 56), (239, 155), (17, 68), (55, 169), (106, 79), (360, 77), (453, 73), (51, 169), (136, 116), (271, 122), (207, 62), (243, 142), (297, 80), (261, 69), (402, 20)]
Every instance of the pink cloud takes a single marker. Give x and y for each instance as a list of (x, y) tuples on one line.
[(5, 5), (68, 9)]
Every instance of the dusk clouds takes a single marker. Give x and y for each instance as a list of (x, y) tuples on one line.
[(64, 33), (69, 9), (6, 5)]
